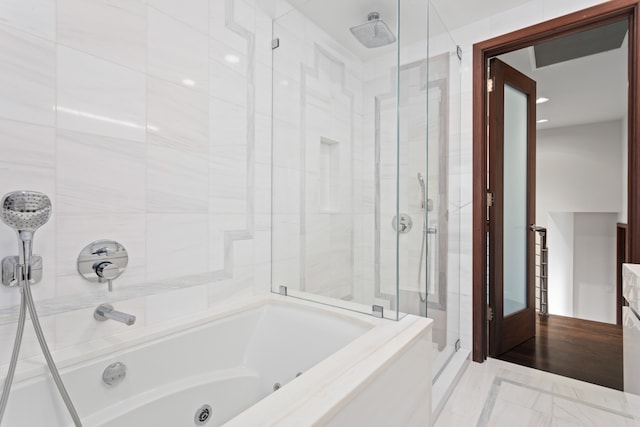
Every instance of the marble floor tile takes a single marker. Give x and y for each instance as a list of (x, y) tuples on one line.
[(497, 393)]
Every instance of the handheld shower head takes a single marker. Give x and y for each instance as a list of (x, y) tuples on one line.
[(25, 212), (422, 189)]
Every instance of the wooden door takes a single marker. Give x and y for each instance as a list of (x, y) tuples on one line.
[(511, 211)]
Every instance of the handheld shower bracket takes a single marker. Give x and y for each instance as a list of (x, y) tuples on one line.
[(11, 270)]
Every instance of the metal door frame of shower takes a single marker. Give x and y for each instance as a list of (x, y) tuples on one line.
[(578, 21)]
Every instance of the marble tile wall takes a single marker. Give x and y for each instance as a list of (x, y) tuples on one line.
[(147, 122)]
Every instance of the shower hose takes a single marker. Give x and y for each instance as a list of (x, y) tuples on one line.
[(26, 301), (423, 298)]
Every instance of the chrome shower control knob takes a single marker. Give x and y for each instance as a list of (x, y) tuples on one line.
[(107, 270), (402, 224), (103, 261)]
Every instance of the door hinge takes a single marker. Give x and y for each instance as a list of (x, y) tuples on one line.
[(275, 43), (490, 85), (489, 314), (490, 199)]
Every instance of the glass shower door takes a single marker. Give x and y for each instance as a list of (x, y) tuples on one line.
[(323, 162), (366, 167), (429, 184)]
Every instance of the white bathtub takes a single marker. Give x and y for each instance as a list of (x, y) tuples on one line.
[(355, 369)]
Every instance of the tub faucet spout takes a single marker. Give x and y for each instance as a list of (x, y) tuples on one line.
[(106, 311)]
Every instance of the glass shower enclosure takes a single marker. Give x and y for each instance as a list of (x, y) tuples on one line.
[(365, 161)]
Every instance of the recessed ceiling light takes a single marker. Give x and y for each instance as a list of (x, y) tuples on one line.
[(232, 59), (542, 100), (188, 82), (542, 121)]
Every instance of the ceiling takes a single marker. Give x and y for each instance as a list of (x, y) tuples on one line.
[(458, 13), (337, 16), (583, 90)]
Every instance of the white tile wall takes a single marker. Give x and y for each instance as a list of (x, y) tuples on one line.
[(34, 16), (114, 184), (28, 71), (98, 96), (112, 30), (177, 116), (175, 51), (138, 122), (194, 13)]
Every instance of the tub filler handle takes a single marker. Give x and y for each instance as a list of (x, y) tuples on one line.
[(106, 312)]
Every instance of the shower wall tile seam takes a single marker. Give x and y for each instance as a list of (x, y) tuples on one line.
[(17, 29), (57, 230), (146, 157), (209, 186), (196, 29), (102, 58)]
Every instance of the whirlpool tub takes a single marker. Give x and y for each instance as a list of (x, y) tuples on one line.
[(268, 361)]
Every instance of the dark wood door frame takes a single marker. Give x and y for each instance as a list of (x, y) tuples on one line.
[(598, 15)]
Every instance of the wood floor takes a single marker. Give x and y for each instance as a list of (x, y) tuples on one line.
[(575, 348)]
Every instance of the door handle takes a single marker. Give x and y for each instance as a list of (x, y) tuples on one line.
[(537, 228)]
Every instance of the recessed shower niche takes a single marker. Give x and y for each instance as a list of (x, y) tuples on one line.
[(329, 175)]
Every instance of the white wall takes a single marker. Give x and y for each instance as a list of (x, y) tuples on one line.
[(594, 267), (560, 241), (578, 169), (582, 275), (94, 111), (578, 186)]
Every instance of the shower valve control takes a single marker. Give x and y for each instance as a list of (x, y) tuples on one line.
[(103, 261), (403, 223), (107, 270)]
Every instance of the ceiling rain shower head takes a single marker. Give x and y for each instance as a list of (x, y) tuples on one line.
[(374, 33)]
